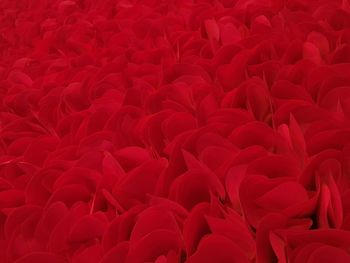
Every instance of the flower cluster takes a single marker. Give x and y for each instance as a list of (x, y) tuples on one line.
[(197, 131)]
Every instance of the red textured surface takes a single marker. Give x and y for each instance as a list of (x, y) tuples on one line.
[(175, 131)]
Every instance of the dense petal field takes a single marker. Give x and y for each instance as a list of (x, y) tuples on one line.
[(172, 131)]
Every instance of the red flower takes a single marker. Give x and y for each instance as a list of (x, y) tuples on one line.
[(140, 131)]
